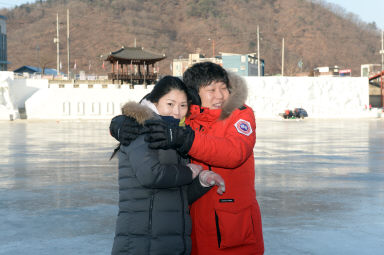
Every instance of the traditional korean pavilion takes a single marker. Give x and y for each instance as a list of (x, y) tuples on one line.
[(133, 65)]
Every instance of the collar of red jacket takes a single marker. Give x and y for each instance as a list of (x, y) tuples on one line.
[(203, 113)]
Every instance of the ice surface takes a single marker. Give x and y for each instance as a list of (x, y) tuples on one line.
[(320, 185)]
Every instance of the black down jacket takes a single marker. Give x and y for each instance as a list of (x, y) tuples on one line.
[(155, 188)]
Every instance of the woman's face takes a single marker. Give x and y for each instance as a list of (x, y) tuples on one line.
[(173, 104), (214, 95)]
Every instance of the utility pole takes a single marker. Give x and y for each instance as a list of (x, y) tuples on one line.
[(258, 51), (68, 43), (57, 41), (282, 58), (382, 68), (213, 46), (382, 50), (38, 58)]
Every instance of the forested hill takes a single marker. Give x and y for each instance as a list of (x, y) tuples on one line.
[(318, 33)]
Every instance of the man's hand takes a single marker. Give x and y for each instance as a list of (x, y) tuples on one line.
[(209, 178), (164, 135), (125, 129)]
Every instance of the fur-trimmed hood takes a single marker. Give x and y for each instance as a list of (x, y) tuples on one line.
[(140, 112), (237, 97)]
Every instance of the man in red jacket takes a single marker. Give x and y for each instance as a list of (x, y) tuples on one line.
[(220, 136)]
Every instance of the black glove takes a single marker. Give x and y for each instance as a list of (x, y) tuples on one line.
[(125, 129), (165, 135)]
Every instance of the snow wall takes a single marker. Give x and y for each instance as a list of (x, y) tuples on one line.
[(82, 102), (8, 109), (14, 92), (322, 97)]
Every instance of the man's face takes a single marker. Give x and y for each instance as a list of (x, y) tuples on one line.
[(214, 95)]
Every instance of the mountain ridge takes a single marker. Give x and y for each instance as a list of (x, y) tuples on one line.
[(317, 33)]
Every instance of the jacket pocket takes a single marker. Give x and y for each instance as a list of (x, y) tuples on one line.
[(234, 228)]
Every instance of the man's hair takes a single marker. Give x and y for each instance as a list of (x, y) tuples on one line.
[(202, 74)]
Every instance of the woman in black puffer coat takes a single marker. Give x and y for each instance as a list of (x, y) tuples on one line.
[(156, 186)]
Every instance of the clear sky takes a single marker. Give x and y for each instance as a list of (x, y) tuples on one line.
[(13, 3), (367, 10)]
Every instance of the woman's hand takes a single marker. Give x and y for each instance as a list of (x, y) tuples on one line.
[(125, 129), (196, 169), (209, 178)]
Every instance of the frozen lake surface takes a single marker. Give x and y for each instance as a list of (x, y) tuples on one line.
[(320, 185)]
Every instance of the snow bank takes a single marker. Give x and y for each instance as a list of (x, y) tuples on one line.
[(8, 110), (82, 102), (322, 97)]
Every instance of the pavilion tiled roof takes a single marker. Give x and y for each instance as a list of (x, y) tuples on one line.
[(135, 54)]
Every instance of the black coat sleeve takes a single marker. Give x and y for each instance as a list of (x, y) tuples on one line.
[(148, 170), (195, 190), (116, 124)]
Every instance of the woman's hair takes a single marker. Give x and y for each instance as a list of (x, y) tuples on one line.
[(202, 74), (164, 86), (161, 88)]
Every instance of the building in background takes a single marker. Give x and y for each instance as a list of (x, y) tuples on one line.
[(3, 44), (133, 65), (368, 70), (243, 64), (30, 70), (181, 64), (376, 83), (345, 72), (326, 71)]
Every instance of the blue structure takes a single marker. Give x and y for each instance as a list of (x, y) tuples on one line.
[(3, 44), (33, 70), (243, 64)]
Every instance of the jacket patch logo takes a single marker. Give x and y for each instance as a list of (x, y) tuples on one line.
[(243, 127)]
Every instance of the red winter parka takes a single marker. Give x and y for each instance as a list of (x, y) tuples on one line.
[(224, 141)]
